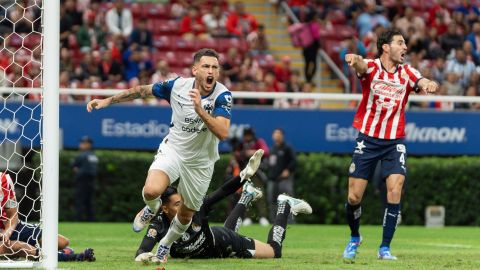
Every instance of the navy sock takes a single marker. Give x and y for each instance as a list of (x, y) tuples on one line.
[(390, 220), (353, 218)]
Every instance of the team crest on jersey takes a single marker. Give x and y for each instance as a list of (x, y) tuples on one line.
[(185, 237), (152, 233), (352, 168), (208, 108), (196, 227)]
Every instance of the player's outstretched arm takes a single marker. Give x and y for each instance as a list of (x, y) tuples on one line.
[(357, 63), (219, 125), (427, 86), (141, 91)]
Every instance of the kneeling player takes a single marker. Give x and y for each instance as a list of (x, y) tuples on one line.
[(203, 241), (21, 239)]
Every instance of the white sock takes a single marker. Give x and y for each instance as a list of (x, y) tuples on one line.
[(154, 204), (175, 231)]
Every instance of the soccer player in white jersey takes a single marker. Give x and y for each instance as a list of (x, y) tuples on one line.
[(201, 111), (380, 119)]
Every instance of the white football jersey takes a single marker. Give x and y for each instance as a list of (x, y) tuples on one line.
[(188, 135)]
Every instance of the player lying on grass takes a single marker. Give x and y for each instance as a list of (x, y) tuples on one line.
[(203, 241), (21, 239)]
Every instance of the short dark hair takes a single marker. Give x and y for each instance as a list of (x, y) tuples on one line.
[(167, 193), (204, 52), (386, 37)]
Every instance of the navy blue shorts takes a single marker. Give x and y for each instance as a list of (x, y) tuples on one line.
[(28, 233), (369, 150)]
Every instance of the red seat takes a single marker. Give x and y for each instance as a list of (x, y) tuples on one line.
[(156, 11), (208, 43), (137, 10), (183, 45)]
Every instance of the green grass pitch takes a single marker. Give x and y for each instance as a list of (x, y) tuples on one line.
[(305, 247)]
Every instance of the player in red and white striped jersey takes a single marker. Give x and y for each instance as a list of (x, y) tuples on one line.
[(21, 239), (380, 119)]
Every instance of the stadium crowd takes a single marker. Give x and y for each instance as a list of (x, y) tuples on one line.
[(120, 44)]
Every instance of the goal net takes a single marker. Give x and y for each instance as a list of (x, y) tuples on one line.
[(21, 139)]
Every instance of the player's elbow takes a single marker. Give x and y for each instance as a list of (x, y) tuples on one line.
[(222, 135)]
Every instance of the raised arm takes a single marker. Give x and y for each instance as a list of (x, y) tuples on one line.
[(141, 91), (357, 63)]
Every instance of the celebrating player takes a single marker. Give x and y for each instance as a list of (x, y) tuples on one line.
[(202, 241), (21, 239), (201, 111), (380, 120)]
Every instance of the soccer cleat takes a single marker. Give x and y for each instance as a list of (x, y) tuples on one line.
[(142, 219), (297, 206), (252, 166), (162, 254), (250, 190), (86, 255), (144, 257), (384, 254), (351, 250)]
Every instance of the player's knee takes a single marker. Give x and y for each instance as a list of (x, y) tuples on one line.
[(150, 193), (354, 199), (394, 195), (63, 242)]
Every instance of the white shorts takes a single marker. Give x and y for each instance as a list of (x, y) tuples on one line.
[(194, 182)]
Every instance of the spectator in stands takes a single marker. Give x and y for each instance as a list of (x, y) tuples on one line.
[(93, 10), (119, 20), (216, 22), (443, 105), (294, 83), (451, 40), (467, 8), (301, 9), (354, 10), (110, 69), (438, 69), (21, 16), (472, 91), (135, 61), (142, 35), (474, 38), (66, 63), (369, 18), (452, 85), (90, 37), (192, 26), (410, 20), (257, 41), (351, 45), (66, 27), (75, 15), (232, 64), (283, 70), (310, 51), (281, 169), (461, 66), (470, 53), (239, 22), (432, 44), (396, 11), (439, 17), (162, 72)]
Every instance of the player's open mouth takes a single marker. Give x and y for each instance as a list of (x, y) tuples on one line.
[(209, 79)]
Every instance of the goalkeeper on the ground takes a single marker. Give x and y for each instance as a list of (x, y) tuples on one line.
[(204, 241), (22, 239)]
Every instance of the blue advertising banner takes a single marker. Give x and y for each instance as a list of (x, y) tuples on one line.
[(143, 128)]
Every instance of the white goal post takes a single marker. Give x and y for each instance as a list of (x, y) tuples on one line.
[(31, 64)]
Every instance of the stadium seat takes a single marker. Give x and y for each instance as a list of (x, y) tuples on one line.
[(156, 11), (163, 42), (183, 45)]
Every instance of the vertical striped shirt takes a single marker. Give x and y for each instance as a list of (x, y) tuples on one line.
[(381, 113), (7, 198)]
